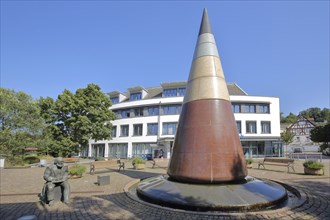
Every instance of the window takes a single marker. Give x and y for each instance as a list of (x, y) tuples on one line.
[(265, 127), (118, 150), (135, 96), (141, 149), (114, 100), (170, 92), (124, 130), (152, 129), (236, 108), (174, 92), (250, 108), (239, 126), (114, 131), (125, 113), (169, 128), (181, 91), (251, 127), (171, 109), (263, 108), (137, 130), (138, 112), (153, 111)]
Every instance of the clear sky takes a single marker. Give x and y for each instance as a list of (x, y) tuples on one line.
[(269, 48)]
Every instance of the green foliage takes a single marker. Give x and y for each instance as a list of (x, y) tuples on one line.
[(291, 118), (99, 159), (323, 147), (138, 160), (287, 137), (21, 125), (74, 119), (313, 165), (14, 161), (30, 159), (249, 161), (317, 114), (321, 133), (77, 170)]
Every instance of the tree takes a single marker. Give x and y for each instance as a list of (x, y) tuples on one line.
[(21, 125), (317, 114), (76, 118), (321, 133), (291, 118), (287, 137)]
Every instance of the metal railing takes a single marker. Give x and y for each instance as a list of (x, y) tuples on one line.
[(306, 156)]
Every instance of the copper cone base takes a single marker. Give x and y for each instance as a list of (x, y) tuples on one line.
[(207, 147), (249, 194)]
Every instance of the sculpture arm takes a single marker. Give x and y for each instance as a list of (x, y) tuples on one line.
[(65, 176), (48, 175)]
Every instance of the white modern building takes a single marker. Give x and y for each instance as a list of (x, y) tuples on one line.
[(147, 119)]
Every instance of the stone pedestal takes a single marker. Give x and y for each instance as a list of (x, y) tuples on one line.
[(103, 180)]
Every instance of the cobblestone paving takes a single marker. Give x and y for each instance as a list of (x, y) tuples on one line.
[(19, 189)]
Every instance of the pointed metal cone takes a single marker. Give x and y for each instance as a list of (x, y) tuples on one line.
[(207, 148)]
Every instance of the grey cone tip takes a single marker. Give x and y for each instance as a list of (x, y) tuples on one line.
[(205, 24)]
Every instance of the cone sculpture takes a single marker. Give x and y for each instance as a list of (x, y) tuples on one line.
[(207, 147), (207, 169)]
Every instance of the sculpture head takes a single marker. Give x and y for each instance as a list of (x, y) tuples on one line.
[(58, 162)]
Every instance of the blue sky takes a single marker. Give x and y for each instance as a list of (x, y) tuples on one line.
[(269, 48)]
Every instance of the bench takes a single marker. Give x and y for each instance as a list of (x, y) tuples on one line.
[(105, 165), (277, 162), (70, 160)]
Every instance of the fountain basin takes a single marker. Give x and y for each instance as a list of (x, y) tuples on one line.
[(249, 194)]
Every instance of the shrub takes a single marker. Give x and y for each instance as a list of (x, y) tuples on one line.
[(77, 170), (138, 160), (99, 159), (313, 165), (249, 161), (30, 159), (14, 161)]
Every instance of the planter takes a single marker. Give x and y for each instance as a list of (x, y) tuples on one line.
[(249, 166), (309, 171), (139, 166), (75, 176)]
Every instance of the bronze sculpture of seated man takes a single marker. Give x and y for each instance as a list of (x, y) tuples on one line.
[(57, 175)]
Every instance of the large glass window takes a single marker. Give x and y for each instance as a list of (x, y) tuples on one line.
[(137, 129), (141, 149), (169, 128), (263, 108), (239, 126), (170, 92), (174, 92), (251, 127), (124, 131), (171, 109), (114, 131), (152, 129), (114, 100), (265, 127), (249, 108), (138, 112), (125, 113), (153, 110), (135, 96), (118, 150)]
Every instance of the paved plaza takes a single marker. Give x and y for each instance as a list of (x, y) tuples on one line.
[(20, 189)]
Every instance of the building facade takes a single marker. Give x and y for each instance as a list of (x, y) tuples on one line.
[(147, 120), (301, 141)]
